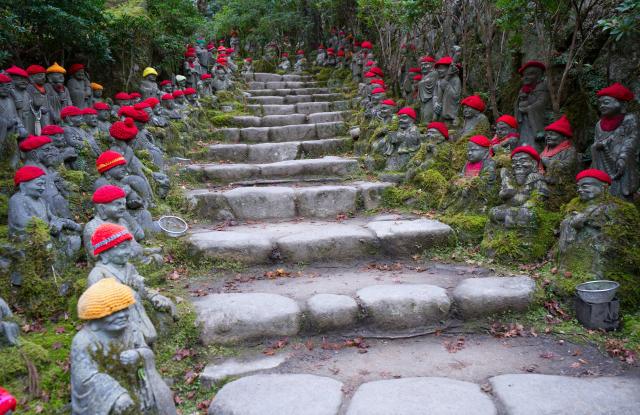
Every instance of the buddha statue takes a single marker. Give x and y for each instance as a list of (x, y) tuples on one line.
[(103, 117), (9, 330), (79, 86), (21, 98), (559, 158), (168, 110), (58, 96), (231, 65), (39, 113), (148, 85), (385, 111), (135, 97), (166, 87), (532, 105), (181, 82), (84, 143), (247, 67), (144, 140), (179, 102), (90, 118), (28, 203), (205, 86), (373, 106), (301, 62), (191, 96), (426, 88), (221, 80), (285, 64), (506, 137), (153, 109), (203, 54), (112, 368), (66, 153), (192, 68), (412, 96), (617, 141), (437, 133), (122, 99), (10, 123), (97, 91), (447, 91), (404, 143), (321, 57), (479, 162), (472, 112)]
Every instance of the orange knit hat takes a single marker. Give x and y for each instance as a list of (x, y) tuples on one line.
[(104, 298), (55, 68)]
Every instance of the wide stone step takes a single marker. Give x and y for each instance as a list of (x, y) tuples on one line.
[(312, 241), (289, 119), (329, 166), (301, 108), (294, 99), (253, 85), (282, 92), (275, 152), (272, 77), (285, 202), (279, 134)]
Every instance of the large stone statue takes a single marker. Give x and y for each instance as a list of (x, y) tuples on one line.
[(9, 330), (473, 114), (10, 124), (148, 85), (27, 203), (506, 138), (57, 94), (79, 86), (532, 105), (285, 64), (617, 141), (401, 145), (113, 370), (447, 91), (559, 158), (21, 98), (39, 111), (426, 88)]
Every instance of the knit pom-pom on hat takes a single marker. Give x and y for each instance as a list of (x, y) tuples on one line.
[(594, 173), (123, 130), (26, 174), (107, 194), (108, 160), (34, 141), (104, 298)]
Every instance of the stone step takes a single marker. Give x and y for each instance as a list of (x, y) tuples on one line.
[(294, 99), (279, 134), (301, 108), (272, 77), (289, 119), (274, 152), (329, 166), (253, 85), (317, 240), (285, 202), (282, 92)]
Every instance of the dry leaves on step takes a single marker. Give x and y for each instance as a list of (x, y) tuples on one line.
[(454, 346), (616, 348), (278, 273), (503, 331), (280, 344)]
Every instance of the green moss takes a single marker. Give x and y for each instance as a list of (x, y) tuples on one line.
[(432, 183), (405, 197), (13, 360), (262, 65), (468, 228), (323, 75)]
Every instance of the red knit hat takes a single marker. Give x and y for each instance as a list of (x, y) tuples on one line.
[(222, 61), (141, 105), (26, 174), (14, 70), (376, 70), (510, 120), (167, 97), (165, 82), (221, 48), (300, 52), (426, 59), (414, 70), (107, 236), (122, 96), (4, 79), (230, 51), (475, 102), (34, 69), (123, 130), (368, 74), (131, 112), (595, 173), (534, 64), (34, 141), (178, 93), (101, 106), (152, 101), (480, 140), (441, 127), (108, 160), (526, 149), (377, 82), (52, 130), (561, 126), (417, 78), (378, 91), (205, 76), (70, 111), (389, 102), (445, 60), (366, 45), (189, 91), (190, 54), (75, 68), (617, 91), (107, 194), (341, 52), (285, 54), (135, 95), (369, 63), (249, 60), (408, 111), (89, 111)]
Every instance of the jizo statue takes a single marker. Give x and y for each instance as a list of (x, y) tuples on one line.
[(446, 98), (10, 123), (39, 110), (506, 138), (148, 85), (426, 88), (79, 86), (57, 94), (532, 105)]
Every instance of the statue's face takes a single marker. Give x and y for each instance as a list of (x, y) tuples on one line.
[(523, 165), (590, 188), (103, 115), (38, 78), (75, 120), (179, 99), (112, 211), (119, 254), (426, 67), (151, 77), (220, 71), (157, 110), (55, 78), (553, 138), (181, 83), (531, 75), (377, 98), (609, 106), (48, 155), (386, 111), (123, 102), (91, 120), (58, 140), (97, 93), (117, 173), (404, 121), (476, 153), (168, 88), (33, 188), (114, 323), (20, 82), (5, 89), (80, 75), (168, 104), (442, 70), (434, 136), (502, 129), (468, 112)]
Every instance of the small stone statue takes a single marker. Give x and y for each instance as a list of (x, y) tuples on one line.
[(122, 99), (21, 98), (532, 105), (617, 141), (10, 123), (27, 203), (179, 102), (203, 54), (321, 57), (192, 68), (96, 93), (426, 88), (40, 114), (58, 95), (153, 109), (506, 138), (79, 86), (437, 133), (104, 117), (559, 157), (166, 87), (234, 41), (474, 120), (144, 140), (331, 58), (285, 64), (205, 86), (447, 91), (66, 153), (221, 80), (90, 117), (404, 143), (124, 133), (135, 97), (181, 82), (373, 106), (149, 86), (168, 110), (479, 162), (247, 68), (9, 330), (301, 62), (191, 95), (356, 62), (73, 118), (112, 368), (385, 111)]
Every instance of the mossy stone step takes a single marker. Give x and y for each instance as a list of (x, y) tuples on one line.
[(300, 108), (272, 77), (253, 85), (279, 134), (274, 152), (289, 119), (294, 99), (282, 92)]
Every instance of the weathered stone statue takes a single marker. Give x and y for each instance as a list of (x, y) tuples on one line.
[(532, 105), (447, 91), (97, 91), (124, 133), (192, 68), (426, 88), (148, 85), (122, 99), (247, 68), (166, 87), (135, 97), (340, 59), (104, 117), (144, 140), (179, 102), (203, 54), (617, 141), (221, 79), (84, 143), (331, 57), (191, 96), (385, 111), (368, 60), (9, 330), (506, 138), (356, 62), (79, 86), (181, 82), (559, 158), (90, 117), (21, 98), (437, 133), (168, 110), (10, 123), (321, 57), (57, 94), (479, 162), (473, 114), (112, 368), (301, 62), (66, 152), (39, 111), (153, 109), (405, 142), (205, 86), (27, 203), (234, 42), (373, 105), (285, 64)]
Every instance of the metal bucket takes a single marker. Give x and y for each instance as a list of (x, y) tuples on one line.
[(173, 226), (598, 291)]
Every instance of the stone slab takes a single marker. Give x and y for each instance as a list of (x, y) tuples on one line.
[(255, 134), (280, 120), (229, 172), (420, 396), (231, 152), (404, 306), (295, 99), (401, 237), (334, 166), (268, 100), (267, 77), (330, 129), (230, 134), (209, 205), (321, 117), (215, 373), (332, 311), (325, 201), (257, 203), (296, 394), (475, 297), (247, 121), (248, 248), (326, 146), (264, 110), (371, 193), (313, 107), (534, 394), (273, 152), (298, 132), (275, 85)]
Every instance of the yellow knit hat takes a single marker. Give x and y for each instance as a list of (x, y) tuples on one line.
[(55, 68), (149, 71), (95, 86), (104, 298)]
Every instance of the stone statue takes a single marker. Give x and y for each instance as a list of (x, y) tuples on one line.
[(84, 143), (447, 90), (426, 88), (234, 42), (124, 133), (412, 96), (506, 138), (21, 98), (39, 112), (192, 68), (112, 368), (517, 189), (79, 86), (179, 102), (385, 111), (181, 82), (10, 123), (66, 152), (148, 85), (331, 57), (166, 87), (221, 80), (321, 57), (532, 105), (57, 94), (437, 134), (9, 330), (168, 110), (404, 143), (90, 117), (104, 117), (479, 162), (135, 97), (203, 54), (301, 62), (28, 203), (617, 141), (144, 140), (373, 106), (122, 99), (285, 64), (474, 120), (96, 93), (247, 68), (559, 158), (191, 95), (231, 65), (356, 62), (153, 109), (205, 86)]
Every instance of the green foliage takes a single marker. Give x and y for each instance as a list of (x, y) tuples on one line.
[(625, 23), (468, 228)]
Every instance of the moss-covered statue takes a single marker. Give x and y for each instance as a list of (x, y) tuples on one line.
[(124, 133), (10, 124), (168, 109), (401, 145), (78, 138), (247, 67), (205, 86), (149, 85), (104, 117), (66, 153), (9, 330), (321, 56), (506, 137), (472, 113), (143, 140), (617, 141), (426, 88), (28, 204), (437, 134), (560, 161), (301, 62), (356, 61), (532, 105), (191, 68), (153, 109), (285, 63), (191, 95), (122, 99), (447, 91), (113, 371), (221, 75), (166, 87), (385, 111), (372, 106)]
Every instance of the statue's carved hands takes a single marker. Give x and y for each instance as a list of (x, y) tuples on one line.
[(437, 107), (129, 357), (621, 165), (123, 404), (578, 220)]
